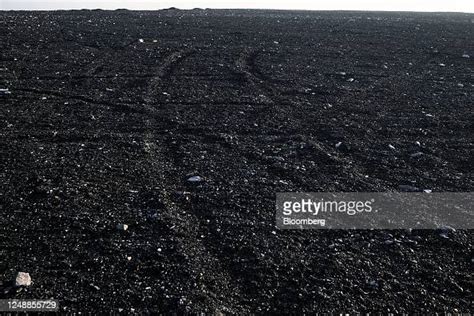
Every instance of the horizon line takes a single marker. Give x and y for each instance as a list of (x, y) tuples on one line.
[(236, 9)]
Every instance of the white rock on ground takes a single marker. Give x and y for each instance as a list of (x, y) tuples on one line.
[(447, 229), (195, 179), (23, 279), (123, 227)]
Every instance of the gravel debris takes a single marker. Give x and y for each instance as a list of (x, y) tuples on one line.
[(23, 279), (195, 179), (417, 154), (122, 227)]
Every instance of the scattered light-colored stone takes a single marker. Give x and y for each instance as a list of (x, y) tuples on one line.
[(23, 279), (417, 154), (195, 179), (122, 227)]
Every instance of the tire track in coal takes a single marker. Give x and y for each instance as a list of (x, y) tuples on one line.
[(212, 282), (246, 65)]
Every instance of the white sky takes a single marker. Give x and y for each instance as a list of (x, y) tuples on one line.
[(382, 5)]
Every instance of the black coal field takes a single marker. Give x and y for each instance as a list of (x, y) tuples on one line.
[(142, 151)]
